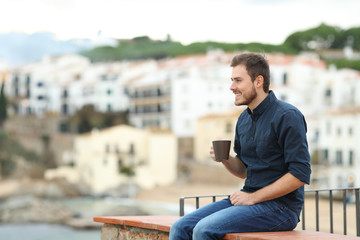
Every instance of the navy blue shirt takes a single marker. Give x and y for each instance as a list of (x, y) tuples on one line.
[(271, 141)]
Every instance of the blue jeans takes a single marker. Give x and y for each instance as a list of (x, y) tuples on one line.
[(215, 220)]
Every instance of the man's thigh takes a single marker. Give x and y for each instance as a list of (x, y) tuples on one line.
[(191, 219), (266, 216)]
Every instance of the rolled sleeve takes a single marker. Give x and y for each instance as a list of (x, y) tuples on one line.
[(293, 138)]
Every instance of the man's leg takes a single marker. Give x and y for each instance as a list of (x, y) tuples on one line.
[(262, 217), (182, 229)]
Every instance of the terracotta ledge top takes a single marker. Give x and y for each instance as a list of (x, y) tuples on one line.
[(161, 223)]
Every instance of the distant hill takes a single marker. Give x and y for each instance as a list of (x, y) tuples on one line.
[(21, 48), (323, 37)]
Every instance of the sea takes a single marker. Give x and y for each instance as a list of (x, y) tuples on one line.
[(87, 208)]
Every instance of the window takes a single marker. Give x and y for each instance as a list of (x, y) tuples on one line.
[(65, 93), (351, 158), (339, 160), (16, 79), (283, 97), (229, 127), (339, 131), (40, 84), (109, 92), (64, 109), (350, 131), (132, 149), (107, 148), (64, 127), (28, 80), (328, 92), (285, 78), (325, 155)]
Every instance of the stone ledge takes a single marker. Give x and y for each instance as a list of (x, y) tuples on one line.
[(158, 227), (162, 223)]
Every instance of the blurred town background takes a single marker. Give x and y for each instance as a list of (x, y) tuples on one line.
[(126, 128)]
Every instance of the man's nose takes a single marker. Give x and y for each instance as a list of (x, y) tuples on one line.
[(232, 88)]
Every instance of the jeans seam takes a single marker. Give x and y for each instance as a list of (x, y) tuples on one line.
[(288, 219)]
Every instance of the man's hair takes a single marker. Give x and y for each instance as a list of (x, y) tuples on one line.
[(256, 65)]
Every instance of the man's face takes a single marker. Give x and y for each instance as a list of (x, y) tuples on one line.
[(242, 86)]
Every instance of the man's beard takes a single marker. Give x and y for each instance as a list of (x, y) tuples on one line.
[(247, 98)]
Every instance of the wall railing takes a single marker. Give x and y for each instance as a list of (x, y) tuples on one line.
[(345, 196)]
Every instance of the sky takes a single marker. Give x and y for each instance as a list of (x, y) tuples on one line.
[(266, 21)]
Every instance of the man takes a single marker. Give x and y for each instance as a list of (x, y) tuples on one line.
[(271, 154)]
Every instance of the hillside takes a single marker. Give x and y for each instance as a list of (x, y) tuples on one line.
[(323, 37)]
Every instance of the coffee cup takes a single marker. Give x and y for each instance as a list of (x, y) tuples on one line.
[(221, 149)]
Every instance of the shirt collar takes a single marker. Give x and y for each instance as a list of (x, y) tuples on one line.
[(263, 105)]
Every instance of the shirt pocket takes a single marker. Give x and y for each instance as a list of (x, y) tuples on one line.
[(268, 148)]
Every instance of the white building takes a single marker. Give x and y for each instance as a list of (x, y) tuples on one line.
[(339, 149), (295, 79), (182, 90), (35, 88), (66, 83)]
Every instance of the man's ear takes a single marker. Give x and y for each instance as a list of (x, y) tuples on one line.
[(259, 81)]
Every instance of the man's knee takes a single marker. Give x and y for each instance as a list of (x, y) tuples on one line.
[(201, 230), (180, 230), (175, 228)]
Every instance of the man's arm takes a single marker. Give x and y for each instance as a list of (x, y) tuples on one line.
[(234, 165), (279, 188)]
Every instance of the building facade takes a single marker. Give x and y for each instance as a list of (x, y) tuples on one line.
[(123, 154)]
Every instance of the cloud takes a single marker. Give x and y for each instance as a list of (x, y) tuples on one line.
[(269, 21)]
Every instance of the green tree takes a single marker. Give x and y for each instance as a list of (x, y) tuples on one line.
[(3, 105), (321, 37), (352, 36)]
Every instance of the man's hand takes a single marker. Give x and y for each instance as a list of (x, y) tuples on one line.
[(279, 188), (212, 154), (242, 198)]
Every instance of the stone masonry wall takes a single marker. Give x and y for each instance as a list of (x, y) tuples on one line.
[(121, 232)]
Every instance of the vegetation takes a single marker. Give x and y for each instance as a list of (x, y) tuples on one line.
[(145, 48), (345, 63), (3, 105), (127, 170), (319, 38), (87, 119), (10, 151)]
